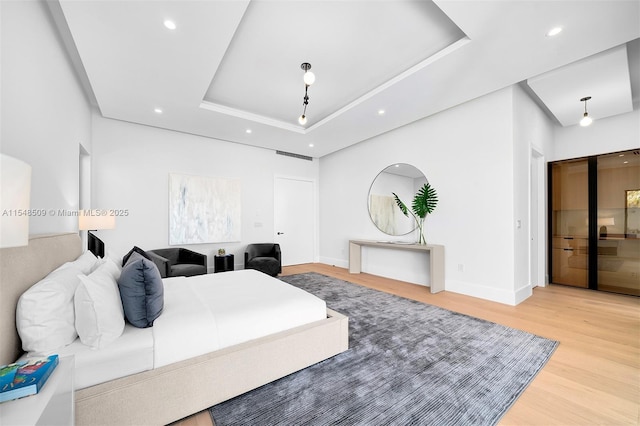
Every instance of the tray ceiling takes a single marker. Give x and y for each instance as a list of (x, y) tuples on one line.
[(604, 77), (231, 69)]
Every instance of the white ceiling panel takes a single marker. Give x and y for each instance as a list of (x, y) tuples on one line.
[(353, 47), (604, 76)]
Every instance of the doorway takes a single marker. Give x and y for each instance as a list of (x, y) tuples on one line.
[(84, 185), (594, 212), (537, 277), (295, 219)]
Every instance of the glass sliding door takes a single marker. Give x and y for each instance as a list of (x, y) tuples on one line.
[(569, 208), (594, 213), (618, 217)]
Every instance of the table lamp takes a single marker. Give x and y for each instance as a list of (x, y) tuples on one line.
[(15, 192), (603, 222), (90, 220)]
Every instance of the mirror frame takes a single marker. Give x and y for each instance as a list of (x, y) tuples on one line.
[(403, 170)]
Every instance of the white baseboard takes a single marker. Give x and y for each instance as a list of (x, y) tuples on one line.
[(340, 263), (522, 294), (469, 289), (488, 293)]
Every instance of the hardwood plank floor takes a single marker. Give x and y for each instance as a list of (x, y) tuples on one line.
[(592, 378)]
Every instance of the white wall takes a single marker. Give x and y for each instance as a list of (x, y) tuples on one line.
[(618, 133), (467, 154), (45, 115), (131, 165), (532, 131)]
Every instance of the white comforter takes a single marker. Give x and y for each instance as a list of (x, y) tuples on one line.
[(209, 312), (201, 314)]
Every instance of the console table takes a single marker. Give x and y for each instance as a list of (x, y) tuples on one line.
[(436, 258)]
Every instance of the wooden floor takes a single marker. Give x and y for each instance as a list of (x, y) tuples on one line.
[(593, 378)]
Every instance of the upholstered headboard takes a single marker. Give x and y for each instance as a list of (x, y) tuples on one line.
[(20, 268)]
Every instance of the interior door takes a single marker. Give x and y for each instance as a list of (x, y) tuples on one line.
[(596, 222), (570, 223), (533, 221), (295, 219), (618, 222), (537, 223)]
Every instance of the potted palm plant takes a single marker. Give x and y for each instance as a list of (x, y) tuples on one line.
[(424, 202)]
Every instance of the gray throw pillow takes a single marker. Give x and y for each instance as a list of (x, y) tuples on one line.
[(135, 249), (141, 291)]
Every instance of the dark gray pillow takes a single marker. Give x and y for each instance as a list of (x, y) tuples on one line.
[(135, 249), (141, 291)]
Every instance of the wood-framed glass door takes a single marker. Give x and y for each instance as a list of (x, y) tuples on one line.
[(618, 222), (594, 213), (569, 211)]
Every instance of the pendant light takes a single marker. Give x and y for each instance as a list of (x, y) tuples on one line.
[(308, 79), (586, 120)]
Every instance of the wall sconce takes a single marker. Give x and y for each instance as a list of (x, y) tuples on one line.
[(92, 220), (308, 78), (586, 120), (15, 194)]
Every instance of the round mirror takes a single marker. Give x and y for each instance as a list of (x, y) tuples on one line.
[(404, 180)]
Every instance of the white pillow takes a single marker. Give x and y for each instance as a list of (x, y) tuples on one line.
[(87, 262), (45, 316), (99, 313), (115, 257)]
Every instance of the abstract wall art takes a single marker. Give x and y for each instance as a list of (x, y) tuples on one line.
[(203, 209)]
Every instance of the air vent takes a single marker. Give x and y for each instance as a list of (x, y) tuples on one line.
[(291, 154)]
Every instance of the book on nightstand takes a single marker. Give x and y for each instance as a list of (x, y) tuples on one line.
[(25, 378)]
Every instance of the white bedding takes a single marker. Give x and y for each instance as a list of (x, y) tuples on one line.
[(209, 312), (201, 314), (131, 353)]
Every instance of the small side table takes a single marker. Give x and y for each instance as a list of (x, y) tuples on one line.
[(222, 263), (53, 405)]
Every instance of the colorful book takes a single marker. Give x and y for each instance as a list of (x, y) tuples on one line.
[(7, 373), (27, 377)]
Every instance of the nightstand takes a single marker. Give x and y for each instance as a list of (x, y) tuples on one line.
[(223, 263), (53, 405)]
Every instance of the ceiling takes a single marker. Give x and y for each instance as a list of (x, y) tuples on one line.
[(230, 70), (603, 79)]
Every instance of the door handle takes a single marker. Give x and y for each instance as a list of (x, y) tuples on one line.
[(280, 233)]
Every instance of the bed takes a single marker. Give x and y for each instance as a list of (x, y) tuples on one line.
[(178, 388)]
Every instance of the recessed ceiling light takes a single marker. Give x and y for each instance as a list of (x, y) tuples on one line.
[(248, 131), (170, 24), (620, 155), (310, 145), (625, 162), (554, 31), (157, 110), (381, 112)]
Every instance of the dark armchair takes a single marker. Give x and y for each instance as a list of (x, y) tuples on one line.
[(174, 262), (264, 257)]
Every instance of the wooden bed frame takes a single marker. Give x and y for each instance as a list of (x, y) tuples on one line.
[(172, 392)]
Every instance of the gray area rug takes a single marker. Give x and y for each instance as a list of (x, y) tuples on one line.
[(408, 363)]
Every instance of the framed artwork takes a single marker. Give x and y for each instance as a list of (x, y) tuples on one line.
[(632, 212), (203, 209)]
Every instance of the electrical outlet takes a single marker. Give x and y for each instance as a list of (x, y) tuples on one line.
[(460, 267)]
